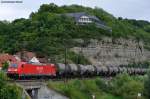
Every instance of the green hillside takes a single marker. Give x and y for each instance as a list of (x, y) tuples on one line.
[(48, 33)]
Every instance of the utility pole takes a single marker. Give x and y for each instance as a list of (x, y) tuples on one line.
[(65, 55), (22, 48), (65, 48), (80, 52)]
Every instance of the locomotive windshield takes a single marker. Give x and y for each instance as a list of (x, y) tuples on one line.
[(14, 65)]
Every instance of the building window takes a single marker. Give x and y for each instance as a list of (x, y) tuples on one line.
[(85, 19)]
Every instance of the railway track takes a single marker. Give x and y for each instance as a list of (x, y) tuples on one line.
[(59, 79)]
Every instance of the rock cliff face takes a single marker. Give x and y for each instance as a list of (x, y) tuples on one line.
[(114, 52)]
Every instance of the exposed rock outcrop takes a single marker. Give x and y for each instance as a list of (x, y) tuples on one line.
[(114, 51)]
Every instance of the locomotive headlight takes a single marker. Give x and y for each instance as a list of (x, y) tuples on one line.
[(9, 70)]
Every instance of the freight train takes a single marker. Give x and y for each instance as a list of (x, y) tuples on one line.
[(20, 70)]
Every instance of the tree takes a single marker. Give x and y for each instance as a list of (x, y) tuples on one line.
[(5, 66), (120, 18), (48, 8)]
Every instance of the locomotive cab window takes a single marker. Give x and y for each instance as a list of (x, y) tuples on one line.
[(14, 65), (22, 66)]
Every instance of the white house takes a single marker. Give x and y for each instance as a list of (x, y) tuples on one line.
[(82, 18)]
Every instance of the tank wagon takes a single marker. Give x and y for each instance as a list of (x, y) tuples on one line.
[(60, 70)]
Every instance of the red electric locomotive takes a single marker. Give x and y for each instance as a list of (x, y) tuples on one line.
[(31, 70)]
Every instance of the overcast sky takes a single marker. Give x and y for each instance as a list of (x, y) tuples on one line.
[(133, 9)]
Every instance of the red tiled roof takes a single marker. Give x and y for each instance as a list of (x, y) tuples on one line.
[(6, 57)]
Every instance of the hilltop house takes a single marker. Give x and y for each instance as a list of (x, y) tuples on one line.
[(82, 18)]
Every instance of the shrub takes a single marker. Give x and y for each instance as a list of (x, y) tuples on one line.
[(126, 86), (147, 86), (5, 66), (103, 85), (8, 91)]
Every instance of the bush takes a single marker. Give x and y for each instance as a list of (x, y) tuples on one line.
[(103, 85), (131, 89), (81, 89), (147, 86), (126, 86), (5, 66), (3, 79), (8, 91)]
